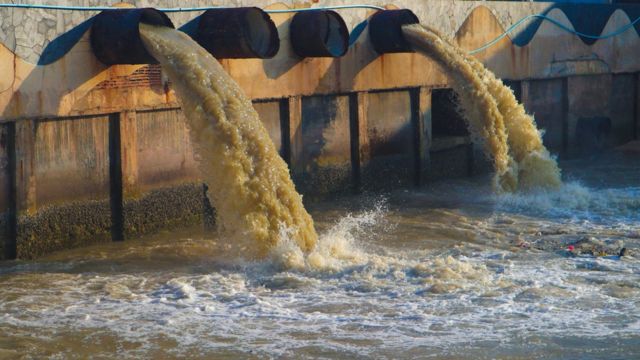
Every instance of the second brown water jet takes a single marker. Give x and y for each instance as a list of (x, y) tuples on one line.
[(495, 117)]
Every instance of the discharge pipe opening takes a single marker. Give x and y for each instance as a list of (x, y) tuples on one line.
[(237, 33), (385, 30), (319, 33), (115, 36)]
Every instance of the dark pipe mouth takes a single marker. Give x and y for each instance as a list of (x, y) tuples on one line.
[(319, 33), (155, 17), (238, 33), (115, 35), (385, 30)]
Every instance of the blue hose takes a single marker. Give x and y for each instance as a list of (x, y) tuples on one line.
[(556, 23)]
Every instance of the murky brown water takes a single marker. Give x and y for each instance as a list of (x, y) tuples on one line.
[(447, 271)]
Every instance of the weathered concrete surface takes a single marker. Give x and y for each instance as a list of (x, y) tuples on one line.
[(62, 172), (161, 182), (161, 154), (75, 83), (71, 160), (622, 108), (453, 160), (270, 114), (589, 96), (389, 148), (323, 161), (637, 107), (606, 96), (546, 100)]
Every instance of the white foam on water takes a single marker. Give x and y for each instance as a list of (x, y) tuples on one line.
[(344, 299), (575, 200)]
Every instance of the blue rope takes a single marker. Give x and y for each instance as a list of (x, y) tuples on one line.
[(339, 7), (556, 23), (178, 9)]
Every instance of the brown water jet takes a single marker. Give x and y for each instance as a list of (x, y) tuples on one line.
[(495, 117), (249, 183)]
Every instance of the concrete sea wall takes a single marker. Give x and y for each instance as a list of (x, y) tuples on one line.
[(90, 153)]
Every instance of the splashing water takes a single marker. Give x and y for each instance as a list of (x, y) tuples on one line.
[(249, 184), (450, 271), (495, 117)]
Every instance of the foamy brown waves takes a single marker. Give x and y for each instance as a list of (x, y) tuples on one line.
[(341, 251), (335, 249)]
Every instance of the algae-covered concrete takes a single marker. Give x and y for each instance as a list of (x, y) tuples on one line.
[(390, 145), (64, 226), (64, 166), (547, 101), (164, 208), (161, 186), (323, 160)]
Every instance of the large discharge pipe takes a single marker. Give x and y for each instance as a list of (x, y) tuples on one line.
[(385, 30), (319, 33), (115, 38), (237, 33), (245, 32)]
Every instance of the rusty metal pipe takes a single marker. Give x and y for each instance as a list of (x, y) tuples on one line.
[(319, 33), (237, 33), (115, 37), (385, 30)]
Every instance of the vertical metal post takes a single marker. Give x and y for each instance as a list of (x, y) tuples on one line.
[(115, 179), (421, 123), (636, 99), (565, 117), (295, 133), (417, 135), (285, 131), (10, 245), (354, 136)]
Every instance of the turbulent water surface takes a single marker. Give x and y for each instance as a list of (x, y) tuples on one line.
[(448, 271)]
